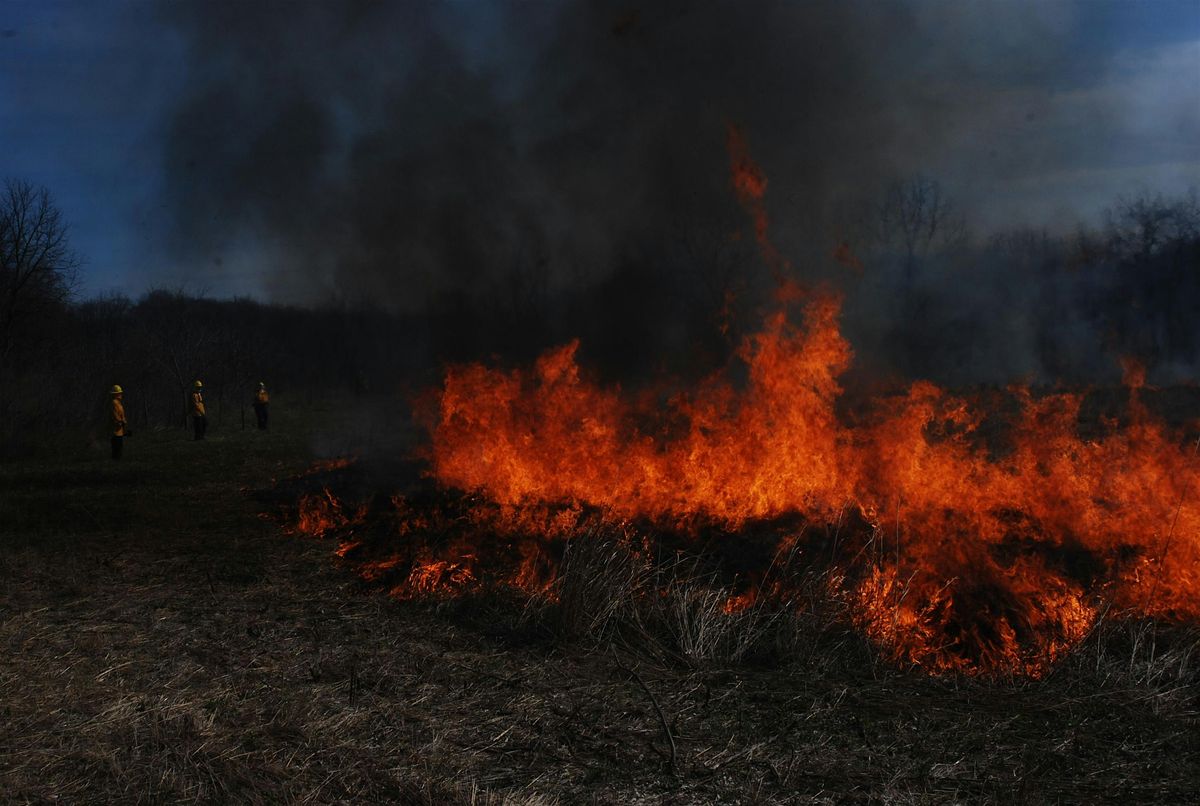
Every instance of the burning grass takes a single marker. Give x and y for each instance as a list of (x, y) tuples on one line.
[(681, 633), (980, 543), (966, 551), (776, 685), (164, 643), (700, 593)]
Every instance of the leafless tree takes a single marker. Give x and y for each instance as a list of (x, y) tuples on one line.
[(1024, 248), (37, 266), (1139, 227), (917, 216)]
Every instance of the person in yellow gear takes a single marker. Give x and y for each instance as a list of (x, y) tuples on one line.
[(261, 402), (116, 416), (199, 420)]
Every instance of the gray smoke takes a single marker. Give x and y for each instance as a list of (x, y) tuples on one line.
[(443, 155), (406, 148)]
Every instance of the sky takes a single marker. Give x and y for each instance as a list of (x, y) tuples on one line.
[(90, 101)]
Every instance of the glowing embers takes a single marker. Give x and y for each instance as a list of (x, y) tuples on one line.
[(1009, 608), (452, 545), (318, 514), (974, 616)]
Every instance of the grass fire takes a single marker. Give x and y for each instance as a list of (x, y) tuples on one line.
[(492, 403), (978, 544), (965, 545)]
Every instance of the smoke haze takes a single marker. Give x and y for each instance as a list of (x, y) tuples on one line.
[(402, 151), (513, 175)]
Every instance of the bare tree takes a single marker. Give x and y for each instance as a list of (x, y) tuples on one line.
[(914, 221), (1139, 227), (37, 266), (916, 215)]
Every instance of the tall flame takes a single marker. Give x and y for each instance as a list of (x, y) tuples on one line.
[(987, 557), (1007, 545), (750, 188)]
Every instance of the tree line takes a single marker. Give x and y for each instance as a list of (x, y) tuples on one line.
[(925, 298)]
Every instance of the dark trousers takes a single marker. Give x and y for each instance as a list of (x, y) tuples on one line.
[(261, 413), (118, 444), (199, 426)]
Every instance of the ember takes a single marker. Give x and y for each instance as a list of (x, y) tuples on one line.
[(319, 513)]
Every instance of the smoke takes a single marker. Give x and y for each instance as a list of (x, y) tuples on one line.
[(565, 162)]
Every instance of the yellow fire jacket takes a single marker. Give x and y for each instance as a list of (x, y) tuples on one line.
[(117, 415), (262, 397), (197, 404)]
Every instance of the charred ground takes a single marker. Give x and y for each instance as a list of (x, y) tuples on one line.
[(164, 641)]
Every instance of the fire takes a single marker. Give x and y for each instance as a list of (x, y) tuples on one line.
[(739, 603), (981, 547), (438, 577), (434, 549), (749, 182), (993, 559), (997, 552), (845, 256), (329, 466), (318, 514), (550, 436), (750, 187)]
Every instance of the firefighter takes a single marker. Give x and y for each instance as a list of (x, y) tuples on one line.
[(261, 402), (117, 419), (199, 421)]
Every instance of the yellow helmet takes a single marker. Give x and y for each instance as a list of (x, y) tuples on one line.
[(262, 385), (116, 390), (198, 385)]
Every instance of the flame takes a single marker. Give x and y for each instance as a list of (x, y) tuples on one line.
[(844, 255), (750, 188), (549, 436), (983, 548), (740, 602), (329, 466), (437, 577), (318, 514), (992, 561), (982, 558), (434, 550)]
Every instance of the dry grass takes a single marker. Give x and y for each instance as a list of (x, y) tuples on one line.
[(164, 644), (612, 589)]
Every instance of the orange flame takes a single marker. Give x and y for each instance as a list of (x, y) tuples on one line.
[(319, 514), (986, 552), (750, 187), (983, 545), (843, 254)]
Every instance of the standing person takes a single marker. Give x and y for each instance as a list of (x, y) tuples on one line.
[(261, 401), (199, 421), (116, 417)]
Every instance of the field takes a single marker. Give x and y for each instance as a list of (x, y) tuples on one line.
[(161, 641)]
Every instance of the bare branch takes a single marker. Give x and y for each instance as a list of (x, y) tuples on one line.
[(37, 266)]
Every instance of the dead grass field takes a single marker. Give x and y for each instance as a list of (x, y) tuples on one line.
[(161, 642)]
